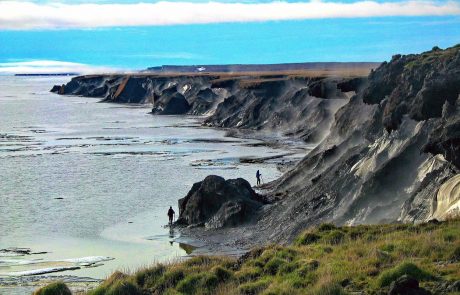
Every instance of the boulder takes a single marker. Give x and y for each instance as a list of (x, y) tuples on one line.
[(406, 285), (56, 88), (216, 202)]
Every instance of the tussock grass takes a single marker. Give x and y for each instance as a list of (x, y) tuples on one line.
[(323, 260), (56, 288), (405, 268)]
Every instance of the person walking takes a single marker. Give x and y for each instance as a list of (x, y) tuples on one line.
[(171, 214), (258, 175)]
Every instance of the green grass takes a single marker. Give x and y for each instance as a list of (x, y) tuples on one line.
[(323, 260), (56, 288), (427, 58)]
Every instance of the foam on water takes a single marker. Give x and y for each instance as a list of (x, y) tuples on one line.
[(41, 271)]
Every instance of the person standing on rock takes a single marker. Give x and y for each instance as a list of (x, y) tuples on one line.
[(171, 215), (258, 175)]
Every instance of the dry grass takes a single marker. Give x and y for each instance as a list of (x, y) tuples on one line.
[(344, 71)]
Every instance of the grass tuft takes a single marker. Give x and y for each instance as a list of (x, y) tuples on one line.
[(123, 288), (405, 268), (148, 277), (334, 237), (307, 239), (455, 253), (329, 289), (326, 227), (222, 273), (254, 287), (56, 288)]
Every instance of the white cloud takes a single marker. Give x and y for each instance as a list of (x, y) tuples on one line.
[(49, 66), (20, 15)]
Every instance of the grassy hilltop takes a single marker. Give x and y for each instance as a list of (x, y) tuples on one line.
[(323, 260)]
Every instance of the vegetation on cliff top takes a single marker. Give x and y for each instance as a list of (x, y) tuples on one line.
[(323, 260)]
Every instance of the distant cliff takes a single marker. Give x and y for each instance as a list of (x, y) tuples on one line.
[(294, 104), (237, 68)]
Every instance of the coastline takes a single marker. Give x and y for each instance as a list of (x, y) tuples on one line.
[(349, 122), (69, 140)]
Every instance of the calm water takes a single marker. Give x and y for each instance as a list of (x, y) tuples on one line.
[(116, 168)]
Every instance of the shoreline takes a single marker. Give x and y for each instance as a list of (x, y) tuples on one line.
[(76, 282), (365, 259)]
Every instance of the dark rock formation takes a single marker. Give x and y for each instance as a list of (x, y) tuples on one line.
[(204, 101), (406, 285), (217, 203), (230, 214), (130, 90), (445, 139), (171, 103), (56, 88), (92, 86), (416, 84)]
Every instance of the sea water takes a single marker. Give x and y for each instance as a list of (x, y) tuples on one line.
[(85, 186)]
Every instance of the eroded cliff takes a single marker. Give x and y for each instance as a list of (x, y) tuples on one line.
[(294, 104), (388, 145), (392, 152)]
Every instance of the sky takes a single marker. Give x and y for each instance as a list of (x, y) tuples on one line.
[(116, 35)]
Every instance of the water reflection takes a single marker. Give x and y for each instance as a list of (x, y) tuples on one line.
[(187, 248)]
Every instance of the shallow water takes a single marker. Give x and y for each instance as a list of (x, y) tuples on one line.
[(82, 179)]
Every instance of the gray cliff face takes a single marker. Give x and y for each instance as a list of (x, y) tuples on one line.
[(370, 170), (288, 106)]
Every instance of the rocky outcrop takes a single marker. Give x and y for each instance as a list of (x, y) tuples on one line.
[(445, 139), (130, 90), (92, 86), (56, 88), (204, 101), (216, 202), (139, 88), (416, 84), (171, 103)]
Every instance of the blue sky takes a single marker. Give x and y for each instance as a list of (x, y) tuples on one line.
[(236, 34)]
